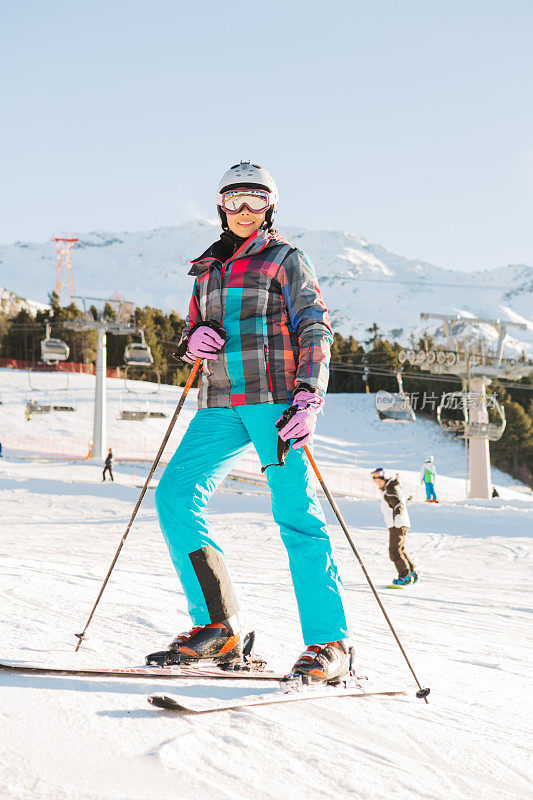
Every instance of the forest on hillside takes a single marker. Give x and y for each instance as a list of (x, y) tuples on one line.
[(356, 366)]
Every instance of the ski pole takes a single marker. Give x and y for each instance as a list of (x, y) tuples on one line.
[(186, 388), (422, 693)]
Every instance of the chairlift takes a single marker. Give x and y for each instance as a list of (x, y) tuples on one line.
[(38, 406), (53, 350), (50, 385), (460, 423), (129, 387), (131, 409), (394, 406), (138, 354), (160, 413), (452, 412), (64, 402)]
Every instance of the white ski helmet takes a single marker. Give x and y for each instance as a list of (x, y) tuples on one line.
[(254, 177), (429, 459)]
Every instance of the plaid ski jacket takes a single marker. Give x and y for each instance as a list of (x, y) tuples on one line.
[(267, 298)]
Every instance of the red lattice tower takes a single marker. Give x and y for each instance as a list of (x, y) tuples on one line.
[(64, 274)]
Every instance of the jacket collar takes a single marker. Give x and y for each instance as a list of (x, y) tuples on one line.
[(258, 241)]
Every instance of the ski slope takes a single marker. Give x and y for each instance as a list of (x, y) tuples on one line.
[(463, 626), (350, 440)]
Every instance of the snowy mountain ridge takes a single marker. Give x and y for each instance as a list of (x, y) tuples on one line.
[(11, 303), (362, 282)]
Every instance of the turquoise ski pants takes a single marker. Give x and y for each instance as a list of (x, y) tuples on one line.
[(212, 445), (430, 491)]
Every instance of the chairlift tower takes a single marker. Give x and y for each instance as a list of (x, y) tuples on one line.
[(476, 371), (64, 271), (121, 327)]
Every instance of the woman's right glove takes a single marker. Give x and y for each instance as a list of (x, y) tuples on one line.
[(204, 340), (204, 343)]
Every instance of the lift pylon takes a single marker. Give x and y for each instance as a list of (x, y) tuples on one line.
[(64, 270), (476, 369)]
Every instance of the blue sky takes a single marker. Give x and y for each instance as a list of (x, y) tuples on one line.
[(408, 122)]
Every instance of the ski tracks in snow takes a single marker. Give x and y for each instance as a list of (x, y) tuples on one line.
[(463, 626)]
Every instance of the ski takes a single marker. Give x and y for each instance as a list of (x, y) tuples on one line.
[(205, 705), (205, 672)]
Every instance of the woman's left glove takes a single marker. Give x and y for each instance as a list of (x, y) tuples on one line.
[(302, 423)]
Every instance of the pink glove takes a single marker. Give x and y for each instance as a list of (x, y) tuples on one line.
[(302, 424), (204, 343)]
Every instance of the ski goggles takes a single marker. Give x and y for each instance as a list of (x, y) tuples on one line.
[(378, 473), (255, 200)]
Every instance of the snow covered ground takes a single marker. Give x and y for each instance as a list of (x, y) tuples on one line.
[(463, 627)]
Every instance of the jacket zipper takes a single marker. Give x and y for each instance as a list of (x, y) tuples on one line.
[(267, 365)]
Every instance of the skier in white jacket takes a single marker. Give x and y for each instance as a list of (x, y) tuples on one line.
[(394, 508)]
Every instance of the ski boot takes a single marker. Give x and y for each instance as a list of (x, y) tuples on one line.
[(414, 576), (321, 663), (218, 642), (403, 581)]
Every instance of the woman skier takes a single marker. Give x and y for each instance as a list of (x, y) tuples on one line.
[(258, 320)]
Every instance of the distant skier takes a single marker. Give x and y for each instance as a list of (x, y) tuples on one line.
[(394, 508), (258, 320), (109, 464), (428, 473), (495, 492)]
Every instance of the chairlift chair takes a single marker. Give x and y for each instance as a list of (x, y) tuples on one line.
[(452, 402), (59, 383), (128, 382), (136, 410), (394, 406), (138, 354), (54, 350), (162, 413), (461, 425), (133, 415), (64, 402), (42, 406)]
